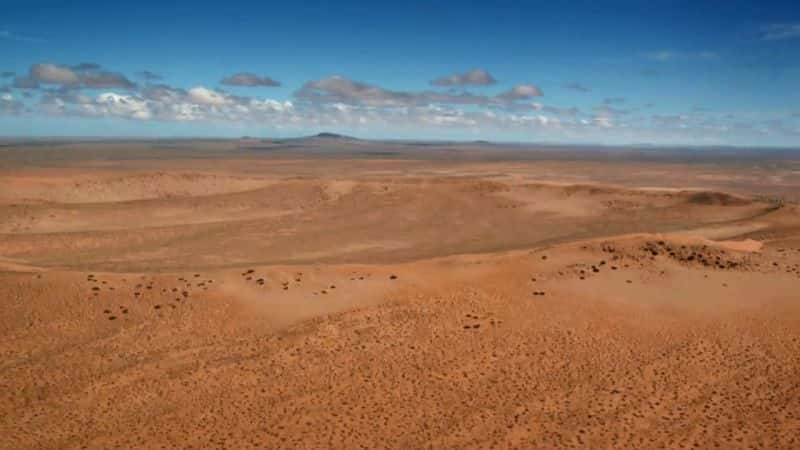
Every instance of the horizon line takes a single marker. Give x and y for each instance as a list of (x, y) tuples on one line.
[(333, 135)]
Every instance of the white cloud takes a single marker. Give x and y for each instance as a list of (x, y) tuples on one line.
[(206, 96), (9, 105), (122, 105), (521, 92), (603, 121), (270, 105)]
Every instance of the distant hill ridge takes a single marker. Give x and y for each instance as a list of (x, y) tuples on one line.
[(328, 135)]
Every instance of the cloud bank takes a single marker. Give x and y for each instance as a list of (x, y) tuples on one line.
[(249, 80), (474, 77), (90, 91)]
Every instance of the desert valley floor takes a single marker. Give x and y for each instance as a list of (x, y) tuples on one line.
[(337, 293)]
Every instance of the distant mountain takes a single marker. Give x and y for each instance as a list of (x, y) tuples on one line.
[(327, 135)]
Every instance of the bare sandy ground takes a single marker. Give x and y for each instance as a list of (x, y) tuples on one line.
[(307, 294)]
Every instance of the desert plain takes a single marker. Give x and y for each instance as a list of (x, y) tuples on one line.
[(329, 292)]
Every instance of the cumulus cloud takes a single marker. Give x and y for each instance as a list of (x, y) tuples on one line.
[(163, 93), (10, 106), (337, 89), (204, 96), (162, 102), (249, 80), (329, 100), (53, 74), (342, 90), (123, 105), (576, 87), (474, 77), (602, 121), (85, 75), (521, 92), (103, 80), (270, 105), (780, 31), (549, 109)]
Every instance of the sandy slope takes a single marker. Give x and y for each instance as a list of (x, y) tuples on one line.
[(382, 305)]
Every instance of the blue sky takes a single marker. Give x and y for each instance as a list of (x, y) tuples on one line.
[(662, 72)]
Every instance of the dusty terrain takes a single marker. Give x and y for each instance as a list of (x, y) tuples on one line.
[(329, 293)]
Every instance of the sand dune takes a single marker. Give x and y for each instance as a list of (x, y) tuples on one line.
[(257, 299), (109, 188)]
